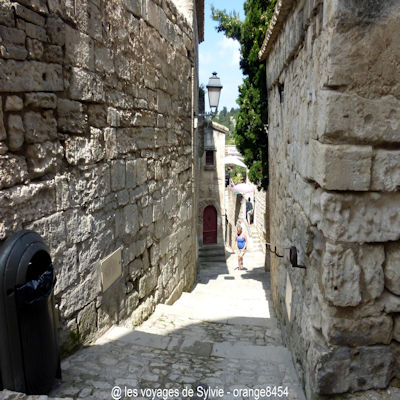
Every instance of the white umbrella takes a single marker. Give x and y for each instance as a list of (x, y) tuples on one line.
[(243, 188), (234, 160)]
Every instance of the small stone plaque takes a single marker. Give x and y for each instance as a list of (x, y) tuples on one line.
[(288, 296), (111, 269)]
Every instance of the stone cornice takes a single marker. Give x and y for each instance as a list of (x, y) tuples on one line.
[(219, 127), (281, 12)]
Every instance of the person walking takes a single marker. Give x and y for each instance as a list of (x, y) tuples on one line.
[(249, 211), (241, 244)]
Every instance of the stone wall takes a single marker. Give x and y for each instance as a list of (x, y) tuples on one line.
[(334, 139), (261, 215), (96, 101)]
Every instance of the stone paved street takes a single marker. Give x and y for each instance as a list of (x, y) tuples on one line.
[(222, 336)]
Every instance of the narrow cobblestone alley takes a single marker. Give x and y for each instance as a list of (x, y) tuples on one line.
[(222, 335)]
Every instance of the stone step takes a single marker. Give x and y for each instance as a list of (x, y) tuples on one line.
[(226, 306), (273, 354), (212, 258), (212, 249), (205, 290), (212, 314), (163, 323), (200, 302)]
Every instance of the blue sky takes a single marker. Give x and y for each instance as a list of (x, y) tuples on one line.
[(219, 54)]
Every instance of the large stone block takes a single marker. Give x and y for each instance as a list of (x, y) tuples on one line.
[(341, 276), (352, 274), (13, 103), (396, 329), (12, 43), (35, 32), (71, 116), (87, 322), (56, 30), (130, 174), (361, 28), (41, 100), (40, 127), (80, 295), (134, 6), (7, 14), (84, 186), (3, 134), (29, 15), (340, 167), (15, 52), (82, 150), (386, 170), (357, 332), (349, 117), (79, 49), (30, 76), (346, 369), (369, 217), (43, 158), (13, 170), (36, 5), (35, 48), (118, 172), (371, 259), (85, 86), (127, 221), (79, 225), (29, 202), (392, 268), (104, 60), (141, 171), (97, 115), (16, 132), (147, 283), (119, 141)]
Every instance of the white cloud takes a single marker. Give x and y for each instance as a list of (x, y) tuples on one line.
[(230, 49)]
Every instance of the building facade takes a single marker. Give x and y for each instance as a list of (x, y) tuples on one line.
[(96, 150), (211, 217), (334, 134)]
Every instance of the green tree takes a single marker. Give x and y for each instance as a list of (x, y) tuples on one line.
[(228, 119), (250, 134)]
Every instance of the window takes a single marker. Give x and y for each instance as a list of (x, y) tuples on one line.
[(210, 158)]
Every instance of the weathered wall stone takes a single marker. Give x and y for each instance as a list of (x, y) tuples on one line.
[(392, 269), (96, 154), (334, 174)]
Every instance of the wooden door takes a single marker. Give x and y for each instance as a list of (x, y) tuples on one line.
[(210, 225)]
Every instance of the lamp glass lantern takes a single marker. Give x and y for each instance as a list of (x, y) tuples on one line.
[(214, 88)]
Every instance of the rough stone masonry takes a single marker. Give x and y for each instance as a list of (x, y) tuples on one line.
[(96, 150), (333, 80)]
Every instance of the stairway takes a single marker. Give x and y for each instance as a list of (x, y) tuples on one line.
[(211, 253), (222, 335)]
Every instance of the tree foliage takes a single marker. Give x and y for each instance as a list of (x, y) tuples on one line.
[(250, 133), (228, 119)]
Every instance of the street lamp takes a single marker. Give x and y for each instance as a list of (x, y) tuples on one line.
[(214, 88)]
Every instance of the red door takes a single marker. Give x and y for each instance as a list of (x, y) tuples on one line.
[(210, 225)]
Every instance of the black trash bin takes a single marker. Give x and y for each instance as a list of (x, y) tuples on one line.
[(29, 355)]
